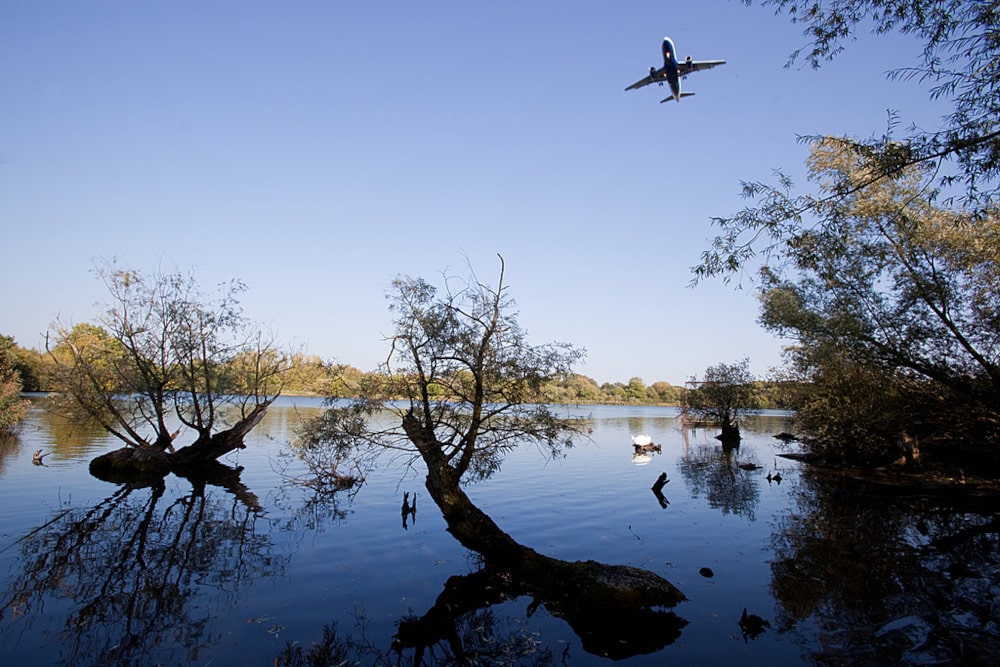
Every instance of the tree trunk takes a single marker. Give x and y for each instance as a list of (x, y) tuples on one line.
[(730, 436), (128, 463), (561, 584), (221, 443)]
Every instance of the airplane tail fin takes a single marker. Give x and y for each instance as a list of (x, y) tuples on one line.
[(667, 99)]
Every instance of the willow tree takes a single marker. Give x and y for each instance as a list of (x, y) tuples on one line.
[(461, 388), (892, 302), (164, 359), (959, 161), (960, 68), (883, 271)]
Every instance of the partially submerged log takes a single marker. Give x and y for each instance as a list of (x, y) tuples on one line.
[(221, 443), (131, 463)]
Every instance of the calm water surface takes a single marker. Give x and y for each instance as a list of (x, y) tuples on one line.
[(233, 571)]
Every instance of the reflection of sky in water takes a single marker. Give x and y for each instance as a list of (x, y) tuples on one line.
[(304, 561)]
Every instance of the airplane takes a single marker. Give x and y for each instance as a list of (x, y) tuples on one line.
[(673, 71)]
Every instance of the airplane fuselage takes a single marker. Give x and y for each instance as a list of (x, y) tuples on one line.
[(670, 68)]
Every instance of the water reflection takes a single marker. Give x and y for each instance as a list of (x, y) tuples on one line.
[(889, 578), (468, 625), (138, 577), (845, 574), (65, 437), (727, 477), (10, 446), (482, 637), (436, 638)]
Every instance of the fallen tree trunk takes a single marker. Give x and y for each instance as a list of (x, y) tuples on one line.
[(588, 594), (134, 463), (221, 443)]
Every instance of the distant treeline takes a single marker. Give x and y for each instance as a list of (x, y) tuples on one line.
[(309, 375)]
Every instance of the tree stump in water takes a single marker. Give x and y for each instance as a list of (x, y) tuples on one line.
[(130, 464)]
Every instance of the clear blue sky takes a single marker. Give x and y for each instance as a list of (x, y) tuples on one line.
[(317, 149)]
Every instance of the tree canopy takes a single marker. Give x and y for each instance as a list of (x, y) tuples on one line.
[(465, 372), (725, 393), (164, 357), (960, 64), (12, 406), (895, 293)]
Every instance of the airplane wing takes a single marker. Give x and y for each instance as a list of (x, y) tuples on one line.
[(656, 76), (686, 67)]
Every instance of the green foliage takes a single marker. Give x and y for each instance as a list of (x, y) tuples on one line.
[(574, 388), (28, 364), (725, 393), (893, 305), (465, 372), (885, 276), (582, 389), (12, 406), (853, 412), (960, 63)]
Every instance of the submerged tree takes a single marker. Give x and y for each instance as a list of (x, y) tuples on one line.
[(460, 389), (469, 383), (164, 357), (723, 396)]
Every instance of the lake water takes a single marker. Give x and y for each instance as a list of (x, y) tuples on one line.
[(235, 573)]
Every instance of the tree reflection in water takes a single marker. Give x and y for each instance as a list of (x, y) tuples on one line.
[(461, 628), (131, 572), (714, 472), (887, 577), (625, 633)]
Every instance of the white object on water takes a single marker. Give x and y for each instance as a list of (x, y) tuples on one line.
[(642, 440)]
